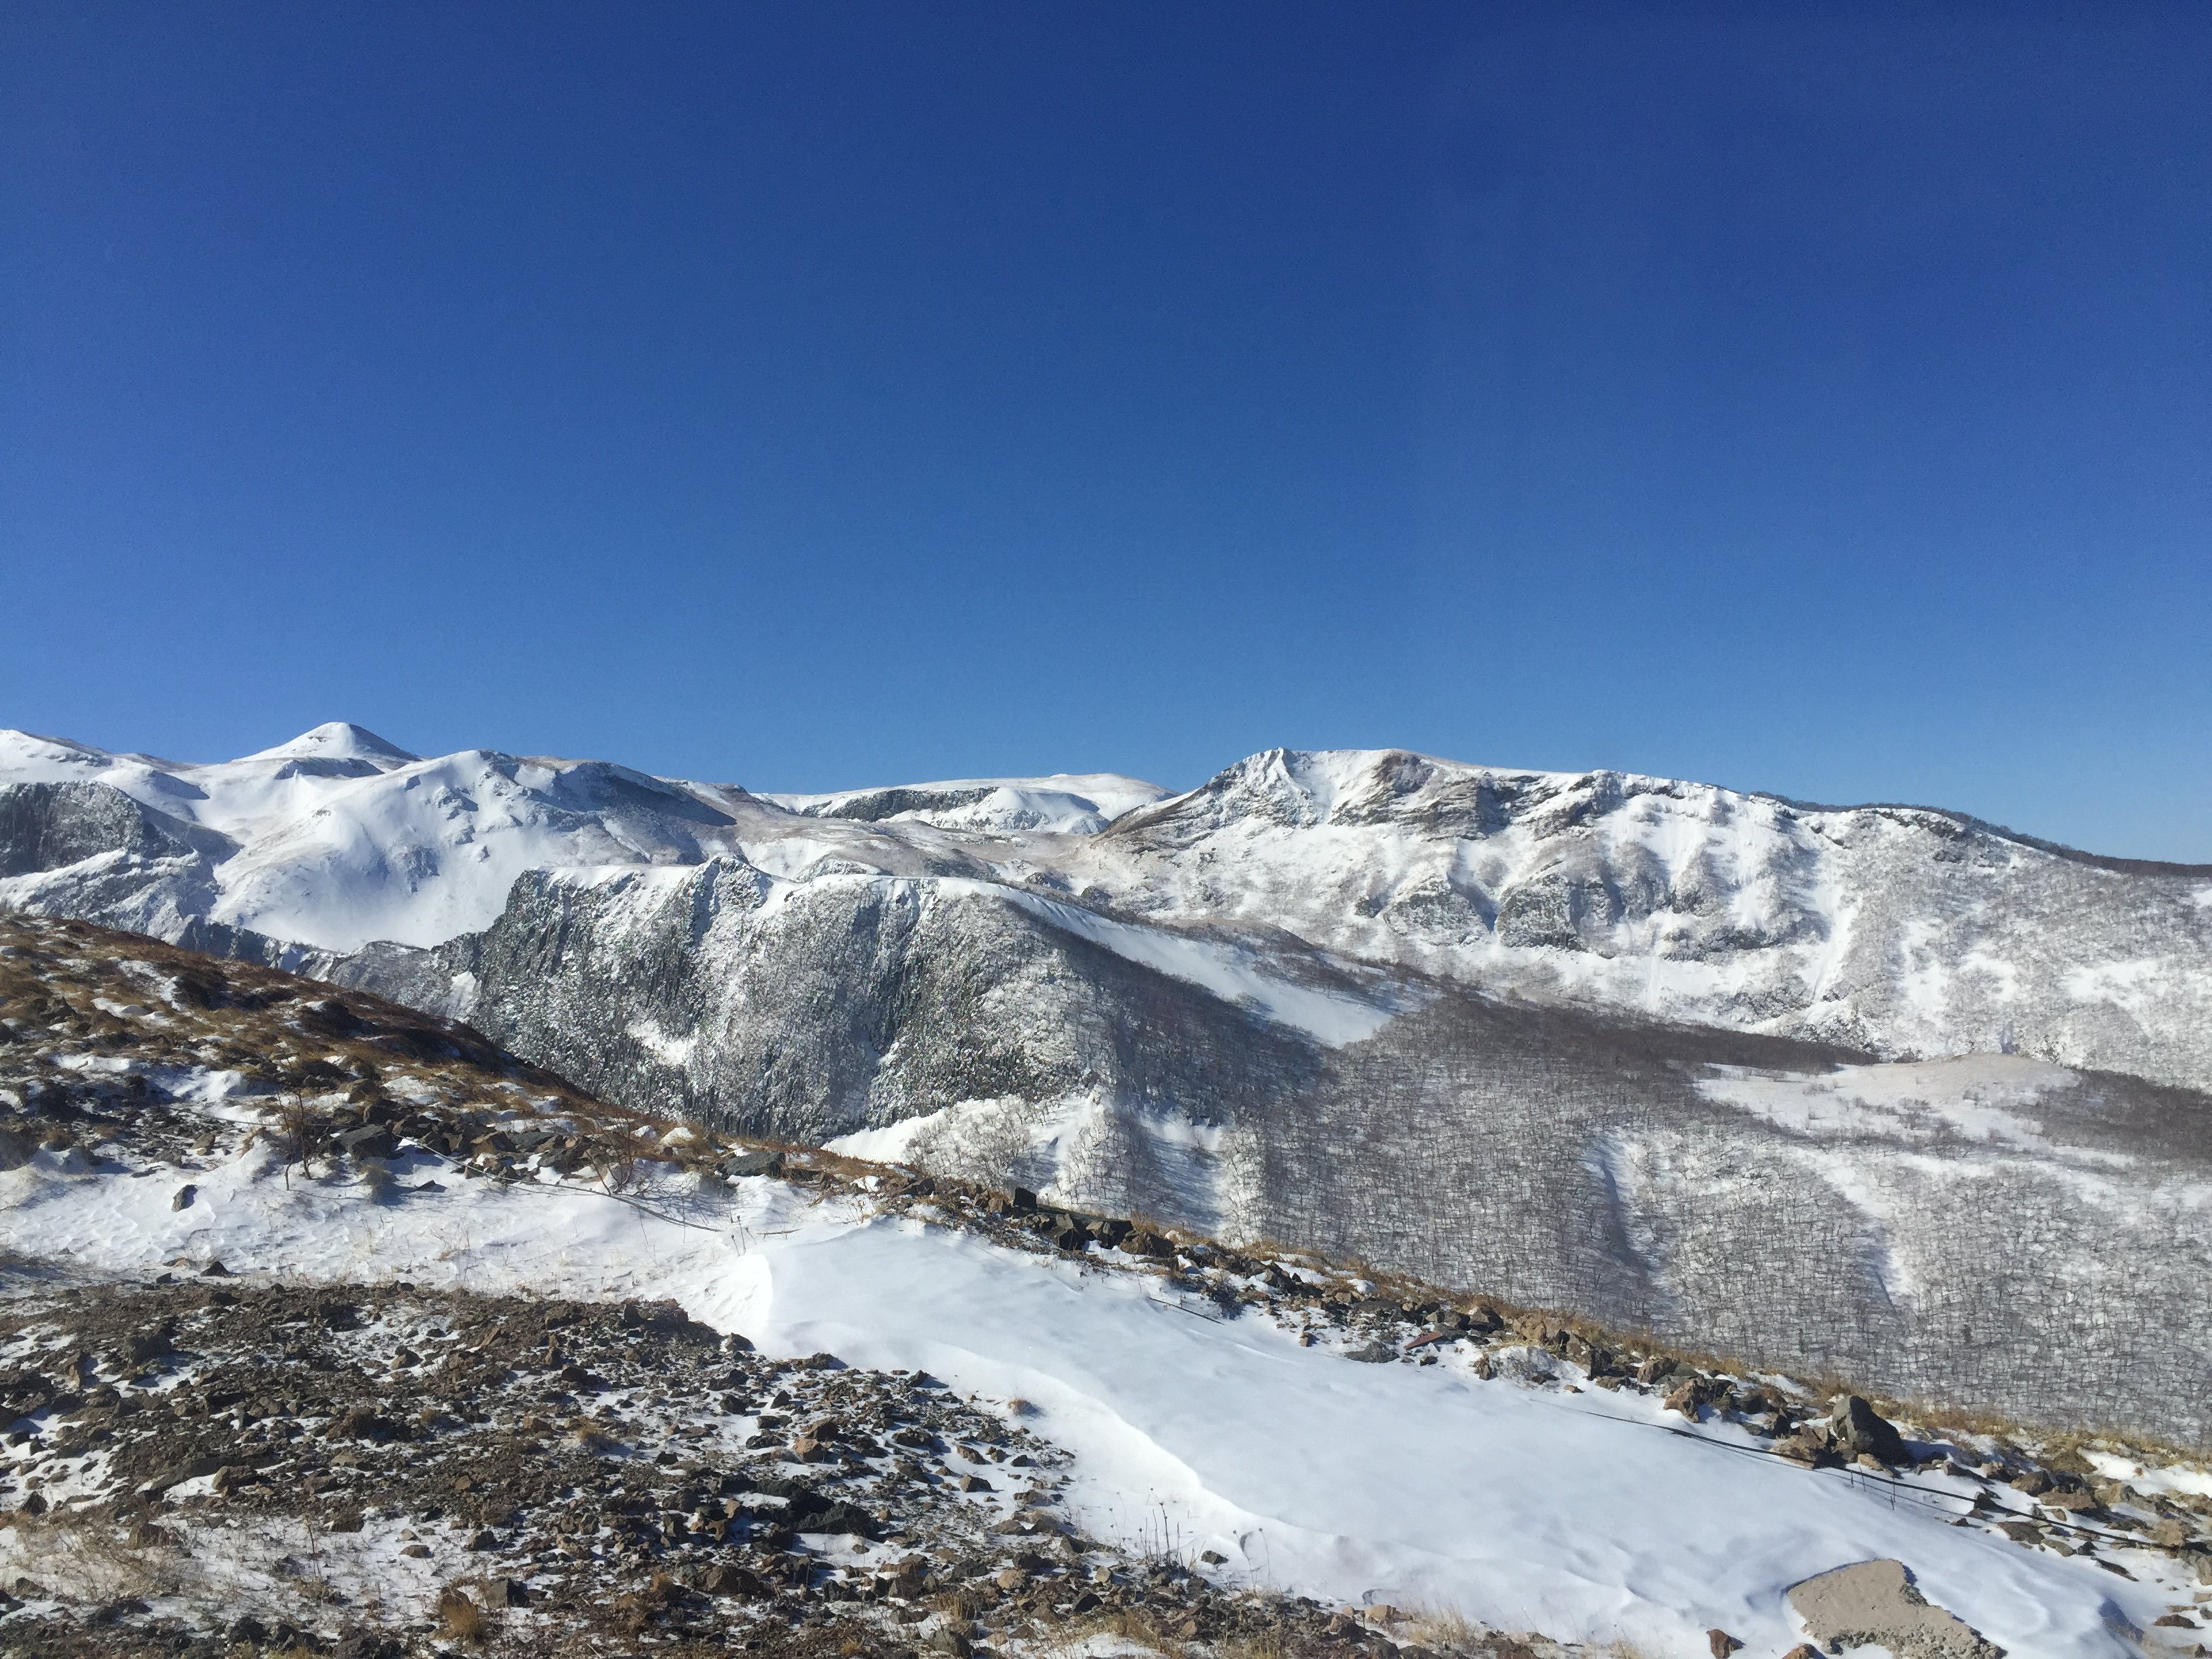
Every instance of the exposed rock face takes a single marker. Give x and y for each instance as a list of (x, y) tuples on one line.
[(1576, 1041)]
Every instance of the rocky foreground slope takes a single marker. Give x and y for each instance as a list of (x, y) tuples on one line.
[(327, 1326), (1881, 1091)]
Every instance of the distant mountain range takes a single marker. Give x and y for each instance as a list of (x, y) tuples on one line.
[(1880, 1087)]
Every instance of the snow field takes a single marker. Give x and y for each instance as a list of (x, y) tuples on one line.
[(1578, 1514)]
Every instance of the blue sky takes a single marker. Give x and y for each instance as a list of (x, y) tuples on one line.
[(1816, 399)]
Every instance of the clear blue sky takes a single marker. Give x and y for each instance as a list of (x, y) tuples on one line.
[(1802, 398)]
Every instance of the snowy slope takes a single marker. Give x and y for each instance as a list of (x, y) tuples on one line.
[(1579, 1515), (1064, 804), (338, 838), (1902, 930)]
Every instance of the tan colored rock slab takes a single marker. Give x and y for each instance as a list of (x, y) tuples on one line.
[(1874, 1604)]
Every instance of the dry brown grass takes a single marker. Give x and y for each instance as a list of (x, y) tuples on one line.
[(592, 1435), (1446, 1628), (459, 1617), (1269, 1644), (91, 1559), (961, 1605), (1130, 1625)]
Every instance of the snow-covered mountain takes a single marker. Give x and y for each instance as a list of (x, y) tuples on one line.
[(1079, 804), (338, 838), (1883, 1089), (1902, 931)]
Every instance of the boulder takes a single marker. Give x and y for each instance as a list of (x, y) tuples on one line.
[(815, 1511), (369, 1140), (1858, 1428), (1686, 1398), (727, 1578)]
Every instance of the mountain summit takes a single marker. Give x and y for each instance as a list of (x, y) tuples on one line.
[(338, 740)]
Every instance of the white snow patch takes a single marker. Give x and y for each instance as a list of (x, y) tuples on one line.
[(1067, 803), (1230, 971), (1579, 1515), (2148, 1478), (2133, 984), (667, 1050), (892, 1142), (1968, 1095)]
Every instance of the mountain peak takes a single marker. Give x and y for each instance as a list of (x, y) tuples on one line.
[(338, 740)]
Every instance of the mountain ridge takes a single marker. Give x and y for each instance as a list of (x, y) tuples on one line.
[(1594, 1040)]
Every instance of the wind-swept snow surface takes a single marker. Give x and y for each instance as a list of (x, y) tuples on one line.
[(1579, 1515)]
